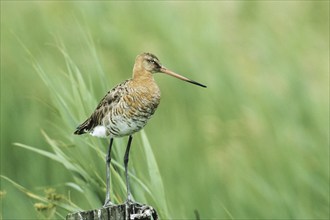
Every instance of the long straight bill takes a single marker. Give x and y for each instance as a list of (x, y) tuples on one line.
[(171, 73)]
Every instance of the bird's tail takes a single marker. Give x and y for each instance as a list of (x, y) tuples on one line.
[(83, 128)]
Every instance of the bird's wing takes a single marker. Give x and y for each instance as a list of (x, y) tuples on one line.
[(105, 105)]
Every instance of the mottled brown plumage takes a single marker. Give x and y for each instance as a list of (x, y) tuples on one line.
[(125, 104), (126, 108)]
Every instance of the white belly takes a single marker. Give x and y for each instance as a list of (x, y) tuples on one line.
[(122, 127)]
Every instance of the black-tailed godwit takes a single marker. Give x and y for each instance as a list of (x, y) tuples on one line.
[(126, 109)]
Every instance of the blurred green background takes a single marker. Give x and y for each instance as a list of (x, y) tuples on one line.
[(254, 144)]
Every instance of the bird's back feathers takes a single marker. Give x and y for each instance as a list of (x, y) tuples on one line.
[(105, 105)]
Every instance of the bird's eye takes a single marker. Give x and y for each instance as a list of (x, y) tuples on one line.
[(151, 61)]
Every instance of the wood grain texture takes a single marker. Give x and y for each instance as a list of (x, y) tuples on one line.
[(118, 212)]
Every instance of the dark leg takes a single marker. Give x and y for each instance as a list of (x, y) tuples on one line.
[(129, 199), (129, 204), (108, 160)]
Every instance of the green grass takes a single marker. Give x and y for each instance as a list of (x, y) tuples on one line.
[(254, 144), (84, 162)]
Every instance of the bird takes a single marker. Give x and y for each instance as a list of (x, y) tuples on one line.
[(126, 109)]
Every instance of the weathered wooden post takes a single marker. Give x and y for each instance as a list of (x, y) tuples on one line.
[(117, 212)]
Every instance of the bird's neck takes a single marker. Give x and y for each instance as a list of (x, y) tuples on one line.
[(144, 79), (142, 75)]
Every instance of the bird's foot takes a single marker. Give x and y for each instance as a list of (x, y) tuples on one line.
[(108, 203)]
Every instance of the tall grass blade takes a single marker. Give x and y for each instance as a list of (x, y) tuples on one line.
[(156, 182)]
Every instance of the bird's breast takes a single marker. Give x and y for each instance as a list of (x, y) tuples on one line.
[(133, 110)]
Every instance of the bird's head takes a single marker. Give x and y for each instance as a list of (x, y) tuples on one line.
[(151, 63), (147, 63)]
